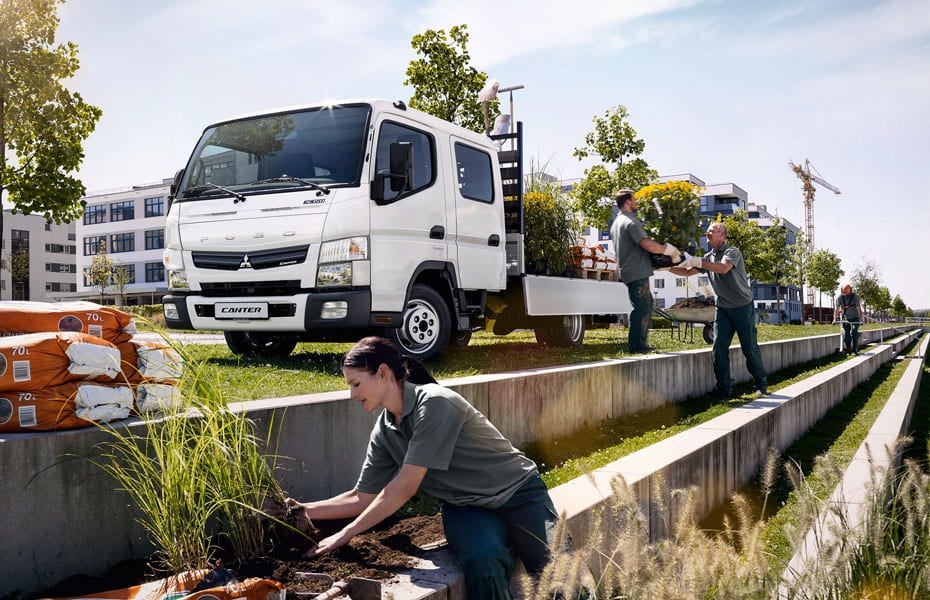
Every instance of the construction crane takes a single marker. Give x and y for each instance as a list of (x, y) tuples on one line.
[(808, 180)]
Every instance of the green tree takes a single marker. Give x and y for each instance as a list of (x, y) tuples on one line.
[(899, 308), (18, 266), (867, 279), (444, 84), (616, 143), (779, 262), (883, 300), (101, 271), (42, 124), (823, 272), (122, 276), (746, 235)]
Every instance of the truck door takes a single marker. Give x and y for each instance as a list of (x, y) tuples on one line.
[(479, 219), (409, 227)]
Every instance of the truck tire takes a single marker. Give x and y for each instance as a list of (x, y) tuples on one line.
[(427, 325), (460, 339), (561, 332), (260, 343)]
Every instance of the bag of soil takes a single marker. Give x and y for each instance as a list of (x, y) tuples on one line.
[(111, 324), (38, 360)]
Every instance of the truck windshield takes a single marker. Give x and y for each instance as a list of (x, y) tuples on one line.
[(320, 147)]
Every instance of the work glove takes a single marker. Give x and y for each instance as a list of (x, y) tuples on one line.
[(690, 262), (672, 251)]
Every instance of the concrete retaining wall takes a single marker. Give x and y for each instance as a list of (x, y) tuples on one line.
[(59, 515)]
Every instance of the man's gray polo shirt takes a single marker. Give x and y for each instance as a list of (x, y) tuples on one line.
[(732, 289), (627, 232)]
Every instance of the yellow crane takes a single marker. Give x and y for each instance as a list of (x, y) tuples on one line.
[(808, 179)]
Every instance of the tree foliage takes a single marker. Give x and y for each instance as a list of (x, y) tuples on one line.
[(779, 262), (746, 235), (866, 280), (101, 271), (444, 83), (899, 308), (42, 124), (823, 271), (679, 221), (616, 143)]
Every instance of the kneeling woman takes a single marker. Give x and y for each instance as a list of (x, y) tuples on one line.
[(429, 437)]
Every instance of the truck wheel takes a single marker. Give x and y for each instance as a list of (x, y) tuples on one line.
[(460, 339), (562, 332), (427, 325), (260, 343), (708, 333)]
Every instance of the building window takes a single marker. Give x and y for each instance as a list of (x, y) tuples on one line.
[(48, 227), (660, 284), (95, 214), (660, 302), (154, 207), (122, 242), (703, 280), (681, 282), (92, 243), (154, 271), (129, 272), (154, 239), (122, 211)]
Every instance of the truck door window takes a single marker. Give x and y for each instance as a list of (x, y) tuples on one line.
[(475, 177), (423, 157)]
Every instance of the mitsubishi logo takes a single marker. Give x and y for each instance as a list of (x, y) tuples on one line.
[(245, 263)]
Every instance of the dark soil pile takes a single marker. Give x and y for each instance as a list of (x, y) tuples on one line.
[(694, 303), (380, 553)]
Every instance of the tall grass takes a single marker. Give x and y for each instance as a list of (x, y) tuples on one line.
[(886, 557), (196, 475)]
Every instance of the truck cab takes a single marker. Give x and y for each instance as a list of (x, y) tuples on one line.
[(328, 222)]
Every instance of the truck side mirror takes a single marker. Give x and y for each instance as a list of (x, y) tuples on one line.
[(400, 174), (175, 185)]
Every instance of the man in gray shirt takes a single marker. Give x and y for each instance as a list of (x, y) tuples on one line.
[(735, 312), (633, 248)]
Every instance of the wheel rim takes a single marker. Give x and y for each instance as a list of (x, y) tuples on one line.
[(420, 329), (574, 326)]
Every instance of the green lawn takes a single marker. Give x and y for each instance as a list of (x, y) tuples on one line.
[(314, 367)]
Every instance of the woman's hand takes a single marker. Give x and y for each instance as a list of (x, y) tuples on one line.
[(326, 545)]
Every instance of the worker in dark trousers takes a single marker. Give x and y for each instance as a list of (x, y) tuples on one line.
[(849, 313)]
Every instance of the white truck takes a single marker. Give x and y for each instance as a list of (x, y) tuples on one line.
[(328, 222)]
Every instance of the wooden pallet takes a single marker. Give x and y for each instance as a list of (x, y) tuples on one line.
[(598, 274)]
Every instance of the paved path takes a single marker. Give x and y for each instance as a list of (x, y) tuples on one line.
[(182, 338)]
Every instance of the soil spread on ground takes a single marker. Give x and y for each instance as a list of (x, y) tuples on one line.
[(380, 553)]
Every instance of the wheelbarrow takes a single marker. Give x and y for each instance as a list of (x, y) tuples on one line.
[(684, 319)]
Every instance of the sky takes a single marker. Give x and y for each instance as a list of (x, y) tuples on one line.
[(727, 90)]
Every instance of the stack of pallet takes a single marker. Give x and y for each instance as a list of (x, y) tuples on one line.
[(594, 262), (69, 365)]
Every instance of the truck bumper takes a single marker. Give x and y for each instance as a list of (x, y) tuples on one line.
[(349, 309)]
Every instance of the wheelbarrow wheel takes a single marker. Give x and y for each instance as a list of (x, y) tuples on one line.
[(708, 333)]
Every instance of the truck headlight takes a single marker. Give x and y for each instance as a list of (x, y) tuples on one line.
[(346, 249), (173, 259), (334, 274)]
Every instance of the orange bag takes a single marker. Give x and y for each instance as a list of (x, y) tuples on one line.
[(252, 588), (37, 360), (111, 324), (65, 406)]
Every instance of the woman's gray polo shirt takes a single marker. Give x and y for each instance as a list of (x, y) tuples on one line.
[(469, 462)]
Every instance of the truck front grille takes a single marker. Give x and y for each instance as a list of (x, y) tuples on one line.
[(260, 259), (250, 288)]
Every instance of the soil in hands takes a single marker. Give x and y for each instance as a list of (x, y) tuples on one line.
[(380, 553)]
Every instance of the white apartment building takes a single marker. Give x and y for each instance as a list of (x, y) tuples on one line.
[(131, 223), (38, 259)]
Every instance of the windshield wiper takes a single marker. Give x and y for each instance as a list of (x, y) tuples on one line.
[(286, 177), (199, 189)]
